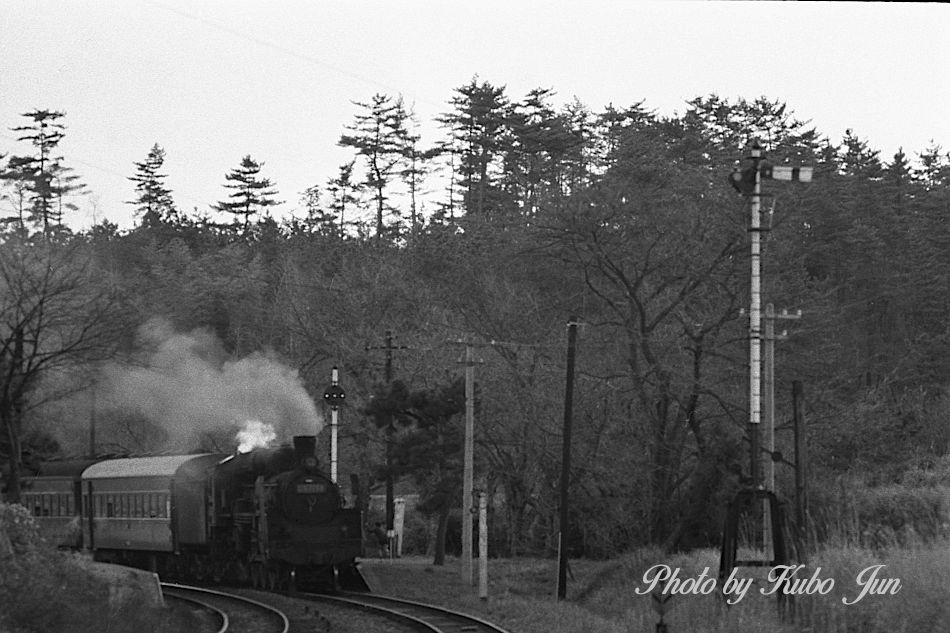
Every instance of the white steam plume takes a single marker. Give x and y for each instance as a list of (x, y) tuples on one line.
[(185, 384)]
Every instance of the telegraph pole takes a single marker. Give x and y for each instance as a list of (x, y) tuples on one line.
[(468, 475), (92, 421), (389, 348), (801, 456), (468, 463), (482, 545), (768, 388), (468, 453), (566, 461)]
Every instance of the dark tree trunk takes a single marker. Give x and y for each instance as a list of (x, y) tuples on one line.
[(440, 535)]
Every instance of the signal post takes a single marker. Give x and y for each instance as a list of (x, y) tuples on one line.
[(748, 182)]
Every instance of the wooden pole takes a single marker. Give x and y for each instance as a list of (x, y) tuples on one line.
[(468, 466), (482, 545), (801, 455), (566, 461)]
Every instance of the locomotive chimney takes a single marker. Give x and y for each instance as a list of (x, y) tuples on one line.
[(305, 446)]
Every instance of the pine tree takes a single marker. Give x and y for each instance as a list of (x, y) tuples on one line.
[(46, 178), (415, 165), (378, 134), (154, 201), (343, 192), (252, 193), (535, 168), (934, 170), (318, 219), (479, 125)]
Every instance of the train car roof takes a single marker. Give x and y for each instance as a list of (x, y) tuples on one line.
[(161, 466), (65, 468)]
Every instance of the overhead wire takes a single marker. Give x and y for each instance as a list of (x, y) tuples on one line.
[(277, 47)]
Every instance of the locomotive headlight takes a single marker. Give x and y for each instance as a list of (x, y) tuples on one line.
[(310, 463)]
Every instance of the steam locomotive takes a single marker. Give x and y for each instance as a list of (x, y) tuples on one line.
[(268, 517)]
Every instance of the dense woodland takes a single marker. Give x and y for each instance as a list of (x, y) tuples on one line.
[(523, 216)]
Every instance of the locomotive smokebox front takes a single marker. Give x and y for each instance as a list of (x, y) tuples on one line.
[(305, 452)]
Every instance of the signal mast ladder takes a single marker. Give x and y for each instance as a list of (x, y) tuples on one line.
[(749, 501)]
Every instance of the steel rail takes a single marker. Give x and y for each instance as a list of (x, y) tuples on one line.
[(175, 588), (219, 613), (423, 616)]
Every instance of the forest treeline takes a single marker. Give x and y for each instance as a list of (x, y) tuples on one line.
[(622, 218)]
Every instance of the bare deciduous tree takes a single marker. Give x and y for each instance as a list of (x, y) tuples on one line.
[(56, 313)]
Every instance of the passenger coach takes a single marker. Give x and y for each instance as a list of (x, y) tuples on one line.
[(52, 495), (146, 504)]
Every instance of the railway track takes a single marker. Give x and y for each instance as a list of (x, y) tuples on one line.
[(236, 614), (416, 615)]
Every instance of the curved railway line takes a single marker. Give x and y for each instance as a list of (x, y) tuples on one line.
[(416, 615), (236, 614)]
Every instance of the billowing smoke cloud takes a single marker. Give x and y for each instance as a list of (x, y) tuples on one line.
[(184, 384)]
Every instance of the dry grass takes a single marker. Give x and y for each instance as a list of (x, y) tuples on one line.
[(602, 596)]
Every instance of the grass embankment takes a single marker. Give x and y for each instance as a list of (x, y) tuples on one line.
[(602, 596), (43, 590)]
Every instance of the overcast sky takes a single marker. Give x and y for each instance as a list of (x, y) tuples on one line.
[(214, 81)]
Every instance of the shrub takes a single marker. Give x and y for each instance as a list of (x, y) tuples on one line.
[(881, 516), (42, 589)]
